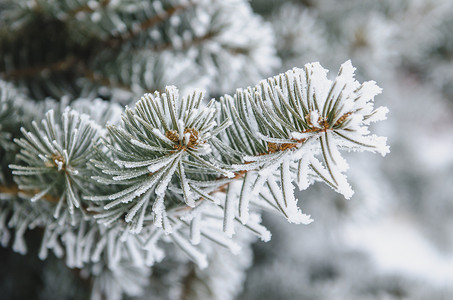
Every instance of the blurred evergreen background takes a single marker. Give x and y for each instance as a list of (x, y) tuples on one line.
[(393, 239)]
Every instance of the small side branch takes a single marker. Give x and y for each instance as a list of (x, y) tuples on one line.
[(15, 191)]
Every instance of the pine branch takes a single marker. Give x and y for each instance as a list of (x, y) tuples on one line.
[(55, 157), (280, 126), (117, 40), (195, 171), (197, 40), (103, 81), (174, 173), (87, 8)]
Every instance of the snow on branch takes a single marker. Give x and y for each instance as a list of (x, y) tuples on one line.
[(291, 127), (53, 158), (197, 171), (163, 144)]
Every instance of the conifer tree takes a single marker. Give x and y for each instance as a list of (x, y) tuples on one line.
[(113, 154)]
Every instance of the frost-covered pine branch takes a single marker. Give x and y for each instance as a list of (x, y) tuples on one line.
[(115, 191), (180, 169)]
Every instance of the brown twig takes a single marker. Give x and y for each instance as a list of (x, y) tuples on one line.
[(117, 40), (58, 66), (15, 191), (195, 41)]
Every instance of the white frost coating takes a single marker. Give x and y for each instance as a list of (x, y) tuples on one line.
[(158, 209), (116, 195), (39, 195), (272, 140), (152, 239), (210, 126), (72, 199), (212, 165), (263, 174), (143, 163), (269, 164), (166, 225), (348, 106), (314, 116), (277, 195), (159, 134), (181, 127), (54, 244), (262, 157), (43, 250), (358, 142), (162, 186), (186, 138), (198, 257), (258, 229), (69, 241), (221, 239), (258, 184), (247, 167), (293, 212), (57, 211), (203, 149), (207, 196), (332, 149), (188, 198), (319, 82), (301, 135), (339, 184), (302, 173), (287, 186), (379, 114), (59, 164), (144, 186), (368, 91), (354, 122), (134, 250), (160, 163), (133, 211), (344, 88), (244, 198), (192, 115), (131, 174), (195, 230), (188, 215), (347, 69), (230, 208), (144, 146), (19, 245)]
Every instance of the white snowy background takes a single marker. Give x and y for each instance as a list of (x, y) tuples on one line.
[(393, 239)]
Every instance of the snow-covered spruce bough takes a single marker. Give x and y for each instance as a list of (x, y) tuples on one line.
[(177, 170)]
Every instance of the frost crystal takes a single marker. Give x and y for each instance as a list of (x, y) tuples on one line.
[(297, 123)]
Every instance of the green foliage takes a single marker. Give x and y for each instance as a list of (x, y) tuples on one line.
[(115, 192), (54, 158)]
